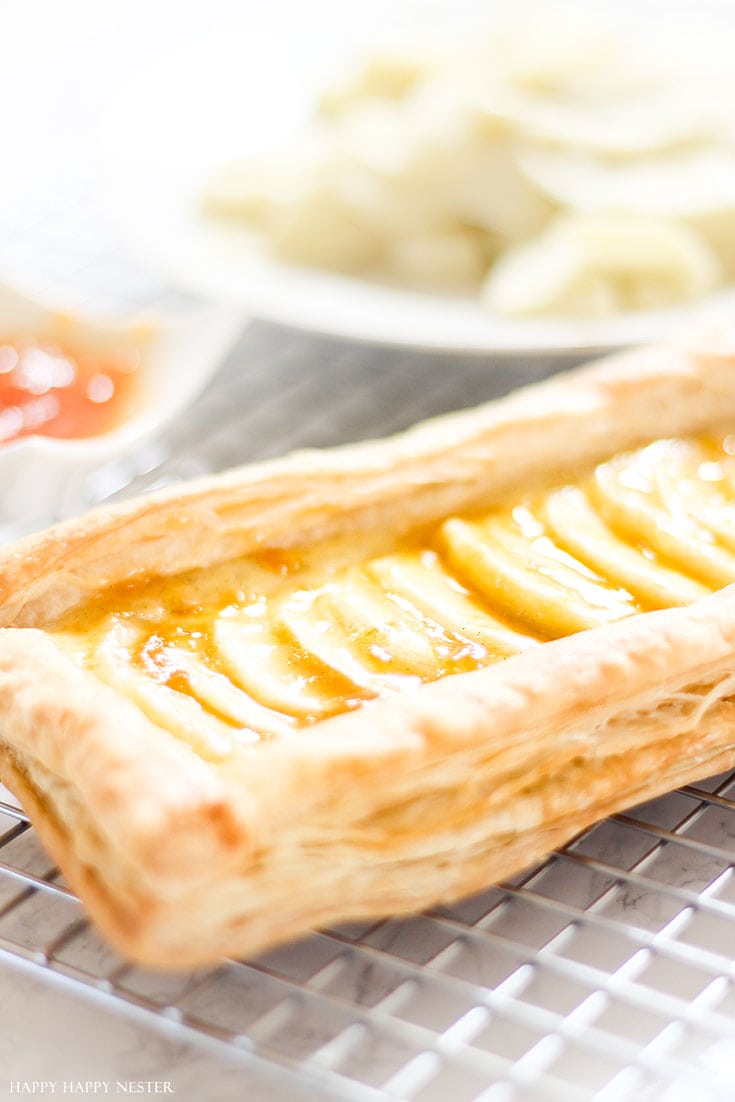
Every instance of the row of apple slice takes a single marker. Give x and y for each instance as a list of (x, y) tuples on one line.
[(650, 530)]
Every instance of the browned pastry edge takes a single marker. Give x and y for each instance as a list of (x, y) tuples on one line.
[(428, 836), (533, 436), (424, 797)]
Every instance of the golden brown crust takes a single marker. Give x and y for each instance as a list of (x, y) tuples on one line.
[(426, 796), (447, 464)]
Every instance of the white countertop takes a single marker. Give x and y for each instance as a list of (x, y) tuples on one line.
[(50, 1036)]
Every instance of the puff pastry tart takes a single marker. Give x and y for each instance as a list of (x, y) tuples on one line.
[(359, 682)]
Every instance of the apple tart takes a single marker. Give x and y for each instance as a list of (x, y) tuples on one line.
[(359, 682)]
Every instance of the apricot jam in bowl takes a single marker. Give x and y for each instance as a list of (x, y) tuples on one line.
[(76, 393)]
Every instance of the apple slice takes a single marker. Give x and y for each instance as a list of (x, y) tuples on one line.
[(530, 579), (351, 627), (115, 663), (578, 528), (254, 656), (218, 694), (629, 500), (422, 580)]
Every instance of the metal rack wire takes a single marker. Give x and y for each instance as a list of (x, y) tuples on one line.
[(605, 973)]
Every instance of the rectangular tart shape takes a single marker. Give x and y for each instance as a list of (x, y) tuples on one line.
[(359, 682)]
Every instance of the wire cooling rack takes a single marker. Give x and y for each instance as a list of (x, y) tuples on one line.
[(606, 973)]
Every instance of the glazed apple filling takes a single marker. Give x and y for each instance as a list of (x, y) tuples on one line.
[(278, 640)]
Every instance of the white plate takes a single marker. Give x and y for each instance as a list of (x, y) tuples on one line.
[(247, 89)]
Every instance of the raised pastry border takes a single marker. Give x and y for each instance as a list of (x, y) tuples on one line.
[(406, 802)]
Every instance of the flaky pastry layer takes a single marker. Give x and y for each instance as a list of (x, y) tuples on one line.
[(403, 802)]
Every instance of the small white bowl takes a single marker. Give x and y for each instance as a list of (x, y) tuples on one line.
[(39, 473)]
